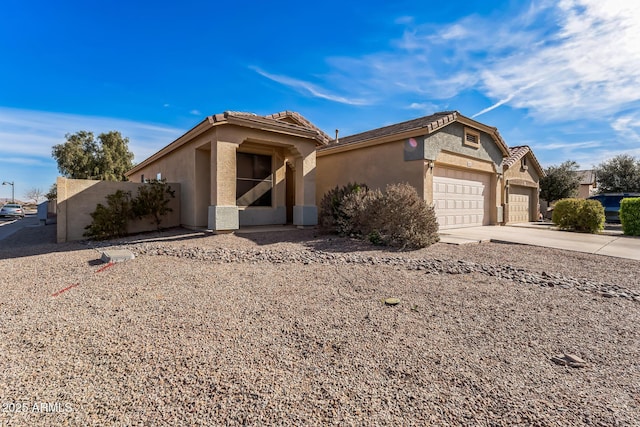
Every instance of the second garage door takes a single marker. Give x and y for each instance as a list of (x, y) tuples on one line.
[(519, 204), (461, 198)]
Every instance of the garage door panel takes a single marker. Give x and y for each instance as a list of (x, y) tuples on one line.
[(461, 198), (519, 204)]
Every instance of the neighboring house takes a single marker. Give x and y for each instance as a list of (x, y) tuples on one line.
[(588, 183), (453, 161), (239, 169), (522, 173)]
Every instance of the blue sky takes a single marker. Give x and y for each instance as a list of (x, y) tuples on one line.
[(560, 76)]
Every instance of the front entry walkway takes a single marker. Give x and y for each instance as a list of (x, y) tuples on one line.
[(600, 244)]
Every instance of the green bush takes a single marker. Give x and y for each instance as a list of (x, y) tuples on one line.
[(153, 201), (111, 220), (590, 216), (565, 213), (397, 217), (579, 215), (630, 216)]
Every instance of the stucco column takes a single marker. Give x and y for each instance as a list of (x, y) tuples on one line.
[(223, 212), (305, 211)]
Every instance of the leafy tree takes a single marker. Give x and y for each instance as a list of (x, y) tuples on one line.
[(53, 192), (153, 200), (560, 182), (618, 175), (34, 194), (84, 157)]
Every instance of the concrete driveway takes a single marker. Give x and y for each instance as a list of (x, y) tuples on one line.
[(601, 244)]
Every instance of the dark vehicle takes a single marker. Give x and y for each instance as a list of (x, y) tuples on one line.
[(611, 204), (12, 210)]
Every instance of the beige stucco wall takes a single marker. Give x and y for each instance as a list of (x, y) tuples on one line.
[(376, 166), (183, 167), (516, 175), (206, 167), (586, 190), (78, 198), (380, 164)]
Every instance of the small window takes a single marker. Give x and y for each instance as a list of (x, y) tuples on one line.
[(471, 138), (142, 178), (159, 176), (524, 164), (254, 181)]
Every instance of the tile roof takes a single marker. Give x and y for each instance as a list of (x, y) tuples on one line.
[(587, 176), (428, 124), (515, 154), (431, 122), (518, 152), (296, 123), (301, 120), (284, 118)]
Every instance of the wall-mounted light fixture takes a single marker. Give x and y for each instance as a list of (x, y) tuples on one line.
[(430, 164)]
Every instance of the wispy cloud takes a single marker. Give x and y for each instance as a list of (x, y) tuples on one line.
[(28, 134), (309, 88), (628, 128), (507, 99), (556, 60), (574, 71), (23, 161), (195, 113), (424, 107), (569, 145)]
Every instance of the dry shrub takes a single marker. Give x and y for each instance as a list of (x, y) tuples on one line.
[(399, 217), (341, 207), (396, 217)]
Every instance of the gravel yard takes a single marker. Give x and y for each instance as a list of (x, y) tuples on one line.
[(291, 328)]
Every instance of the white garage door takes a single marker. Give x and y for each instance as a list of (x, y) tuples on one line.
[(519, 204), (461, 198)]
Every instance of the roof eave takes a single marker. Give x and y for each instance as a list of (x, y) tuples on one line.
[(198, 129), (280, 127), (430, 128)]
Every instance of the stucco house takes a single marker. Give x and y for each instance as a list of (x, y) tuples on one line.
[(588, 183), (522, 173), (239, 169), (453, 161)]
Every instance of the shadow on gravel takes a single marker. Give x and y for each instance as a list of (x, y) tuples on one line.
[(315, 239), (41, 240)]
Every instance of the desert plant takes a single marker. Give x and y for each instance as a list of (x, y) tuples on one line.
[(111, 220), (630, 216), (399, 217), (339, 206), (153, 201), (579, 215)]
